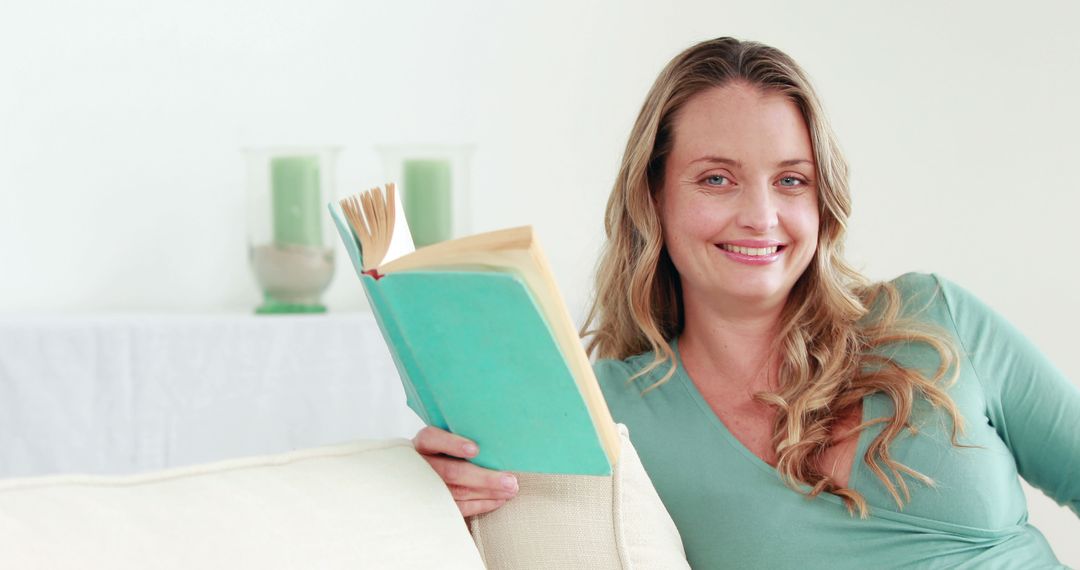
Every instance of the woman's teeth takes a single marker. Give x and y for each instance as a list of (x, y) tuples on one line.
[(750, 250)]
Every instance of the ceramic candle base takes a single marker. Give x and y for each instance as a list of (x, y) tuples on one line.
[(293, 277)]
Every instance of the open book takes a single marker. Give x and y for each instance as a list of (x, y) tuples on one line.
[(482, 340)]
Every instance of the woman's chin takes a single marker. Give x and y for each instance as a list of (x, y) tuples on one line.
[(758, 293)]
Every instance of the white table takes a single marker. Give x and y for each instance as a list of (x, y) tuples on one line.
[(123, 394)]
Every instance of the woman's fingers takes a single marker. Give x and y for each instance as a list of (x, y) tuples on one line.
[(432, 440), (470, 508), (476, 490), (472, 493), (483, 483)]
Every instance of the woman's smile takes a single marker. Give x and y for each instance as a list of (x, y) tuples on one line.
[(752, 252)]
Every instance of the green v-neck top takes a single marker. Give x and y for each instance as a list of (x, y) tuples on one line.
[(733, 511)]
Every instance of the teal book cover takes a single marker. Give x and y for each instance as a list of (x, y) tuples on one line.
[(476, 358)]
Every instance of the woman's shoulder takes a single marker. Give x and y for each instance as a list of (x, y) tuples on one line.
[(609, 370), (917, 285), (622, 377), (927, 295), (932, 297)]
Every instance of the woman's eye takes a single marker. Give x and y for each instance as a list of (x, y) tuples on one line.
[(716, 180), (791, 182)]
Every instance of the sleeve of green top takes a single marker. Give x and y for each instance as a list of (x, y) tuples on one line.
[(1033, 406)]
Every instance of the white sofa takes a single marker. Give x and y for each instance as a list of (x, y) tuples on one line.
[(371, 504), (208, 442)]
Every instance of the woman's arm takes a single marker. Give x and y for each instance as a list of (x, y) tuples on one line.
[(1033, 406)]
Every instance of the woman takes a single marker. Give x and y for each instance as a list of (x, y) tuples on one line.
[(755, 369)]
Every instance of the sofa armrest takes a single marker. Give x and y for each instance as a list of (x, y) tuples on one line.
[(369, 504)]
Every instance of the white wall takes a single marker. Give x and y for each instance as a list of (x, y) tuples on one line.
[(121, 183)]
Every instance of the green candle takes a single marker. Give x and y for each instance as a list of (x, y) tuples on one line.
[(427, 200), (294, 184)]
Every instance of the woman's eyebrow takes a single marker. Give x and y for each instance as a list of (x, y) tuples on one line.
[(737, 164), (719, 159)]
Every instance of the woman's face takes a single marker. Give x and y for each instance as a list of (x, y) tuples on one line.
[(739, 204)]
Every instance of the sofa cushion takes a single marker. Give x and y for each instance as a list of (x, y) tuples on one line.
[(582, 522), (373, 504)]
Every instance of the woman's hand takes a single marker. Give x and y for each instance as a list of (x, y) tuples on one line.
[(476, 490)]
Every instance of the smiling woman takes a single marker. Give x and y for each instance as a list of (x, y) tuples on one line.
[(779, 347), (756, 369)]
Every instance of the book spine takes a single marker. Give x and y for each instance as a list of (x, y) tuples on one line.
[(417, 395)]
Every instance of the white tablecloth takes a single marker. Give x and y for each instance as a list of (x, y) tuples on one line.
[(122, 394)]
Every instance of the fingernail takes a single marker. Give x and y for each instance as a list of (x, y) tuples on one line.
[(470, 449), (509, 483)]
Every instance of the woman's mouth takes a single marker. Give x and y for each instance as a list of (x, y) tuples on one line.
[(752, 255), (753, 251)]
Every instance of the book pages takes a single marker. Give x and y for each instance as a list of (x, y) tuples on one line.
[(401, 243)]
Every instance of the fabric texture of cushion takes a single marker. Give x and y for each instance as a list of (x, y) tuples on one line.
[(582, 522), (372, 504)]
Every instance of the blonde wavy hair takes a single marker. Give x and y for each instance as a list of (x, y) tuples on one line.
[(828, 363)]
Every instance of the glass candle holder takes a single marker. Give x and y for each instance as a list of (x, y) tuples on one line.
[(433, 184), (290, 245)]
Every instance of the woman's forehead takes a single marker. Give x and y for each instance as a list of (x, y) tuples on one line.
[(742, 124)]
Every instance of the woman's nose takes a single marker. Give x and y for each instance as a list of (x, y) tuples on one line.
[(757, 209)]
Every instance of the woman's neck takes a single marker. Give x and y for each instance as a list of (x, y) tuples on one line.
[(732, 348)]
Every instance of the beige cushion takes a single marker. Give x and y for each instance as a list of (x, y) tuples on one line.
[(374, 504), (582, 522)]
